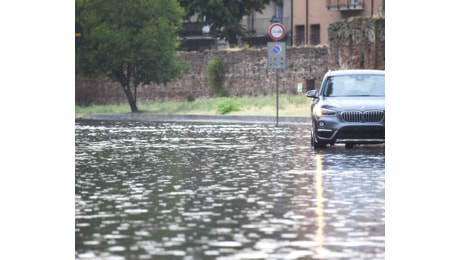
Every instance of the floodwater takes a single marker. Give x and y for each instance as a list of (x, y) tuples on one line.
[(146, 190)]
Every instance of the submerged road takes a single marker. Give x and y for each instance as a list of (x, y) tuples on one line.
[(186, 191)]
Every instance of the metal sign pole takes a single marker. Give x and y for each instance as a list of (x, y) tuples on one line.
[(276, 32), (277, 102)]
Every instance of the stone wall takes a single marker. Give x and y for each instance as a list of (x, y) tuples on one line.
[(357, 43)]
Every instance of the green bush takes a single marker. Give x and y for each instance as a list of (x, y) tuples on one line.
[(216, 76), (189, 97), (228, 105)]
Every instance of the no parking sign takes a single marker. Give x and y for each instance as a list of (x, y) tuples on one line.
[(276, 57)]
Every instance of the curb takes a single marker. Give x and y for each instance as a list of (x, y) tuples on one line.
[(305, 120)]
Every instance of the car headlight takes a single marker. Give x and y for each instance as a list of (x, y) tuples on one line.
[(319, 111)]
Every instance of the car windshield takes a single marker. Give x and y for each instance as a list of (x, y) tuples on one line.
[(355, 85)]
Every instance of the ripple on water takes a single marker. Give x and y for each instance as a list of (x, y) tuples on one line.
[(171, 190)]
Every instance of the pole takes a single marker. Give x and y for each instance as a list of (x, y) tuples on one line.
[(277, 91), (276, 35)]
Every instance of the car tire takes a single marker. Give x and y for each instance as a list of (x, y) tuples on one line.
[(348, 146), (314, 141)]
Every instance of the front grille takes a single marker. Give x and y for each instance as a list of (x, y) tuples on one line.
[(361, 133), (366, 116)]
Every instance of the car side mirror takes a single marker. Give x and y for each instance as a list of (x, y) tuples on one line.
[(311, 93)]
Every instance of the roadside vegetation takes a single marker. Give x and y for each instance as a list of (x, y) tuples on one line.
[(289, 105), (132, 44), (140, 46)]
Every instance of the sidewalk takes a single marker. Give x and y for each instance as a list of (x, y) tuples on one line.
[(305, 120)]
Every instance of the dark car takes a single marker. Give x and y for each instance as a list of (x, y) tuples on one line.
[(349, 108)]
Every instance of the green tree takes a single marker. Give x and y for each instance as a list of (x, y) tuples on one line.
[(131, 42), (223, 16)]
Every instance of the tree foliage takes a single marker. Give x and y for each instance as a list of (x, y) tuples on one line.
[(223, 16), (216, 75), (131, 42)]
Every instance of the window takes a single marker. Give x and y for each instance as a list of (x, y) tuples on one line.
[(355, 85), (279, 12), (315, 34), (310, 84), (299, 35)]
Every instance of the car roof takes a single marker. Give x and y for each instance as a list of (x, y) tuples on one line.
[(355, 71)]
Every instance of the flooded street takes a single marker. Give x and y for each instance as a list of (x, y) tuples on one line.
[(146, 190)]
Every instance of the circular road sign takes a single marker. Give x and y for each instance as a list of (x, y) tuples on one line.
[(276, 31), (277, 49)]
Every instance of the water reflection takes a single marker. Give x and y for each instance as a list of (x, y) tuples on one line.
[(319, 205), (223, 191)]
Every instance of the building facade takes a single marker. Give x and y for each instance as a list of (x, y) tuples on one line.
[(258, 23), (306, 22), (311, 18)]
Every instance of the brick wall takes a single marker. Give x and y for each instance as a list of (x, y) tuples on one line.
[(356, 43)]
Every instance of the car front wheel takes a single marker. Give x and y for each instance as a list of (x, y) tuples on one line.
[(314, 141), (348, 146)]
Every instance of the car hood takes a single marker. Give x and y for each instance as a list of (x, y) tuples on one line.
[(358, 103)]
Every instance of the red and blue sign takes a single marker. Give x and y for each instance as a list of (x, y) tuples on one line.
[(277, 49), (276, 55), (276, 31)]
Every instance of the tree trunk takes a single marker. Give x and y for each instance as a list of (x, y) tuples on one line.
[(131, 100)]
